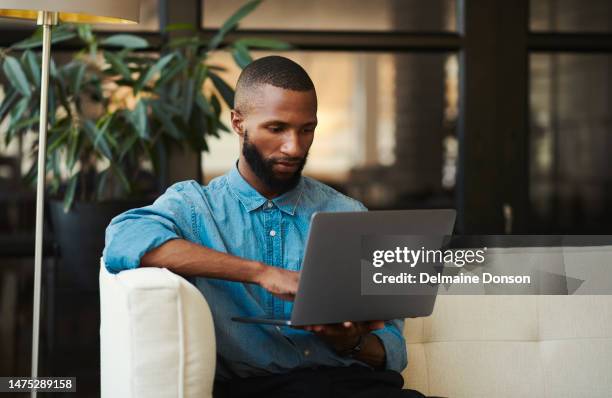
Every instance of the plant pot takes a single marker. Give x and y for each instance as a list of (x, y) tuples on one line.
[(79, 235)]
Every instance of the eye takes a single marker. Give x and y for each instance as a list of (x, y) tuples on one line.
[(275, 129)]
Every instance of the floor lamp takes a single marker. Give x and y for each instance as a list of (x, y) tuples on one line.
[(48, 13)]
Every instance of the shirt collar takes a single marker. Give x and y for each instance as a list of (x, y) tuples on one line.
[(251, 199)]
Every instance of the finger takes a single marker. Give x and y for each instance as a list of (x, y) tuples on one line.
[(375, 325), (285, 296)]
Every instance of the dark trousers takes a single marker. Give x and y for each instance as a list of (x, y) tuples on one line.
[(353, 381)]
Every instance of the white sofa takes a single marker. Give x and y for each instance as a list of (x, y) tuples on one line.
[(157, 340)]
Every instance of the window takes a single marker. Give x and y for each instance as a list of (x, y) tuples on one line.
[(337, 15), (386, 124), (571, 15), (571, 141)]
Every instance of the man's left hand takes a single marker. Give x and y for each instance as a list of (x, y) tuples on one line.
[(343, 337)]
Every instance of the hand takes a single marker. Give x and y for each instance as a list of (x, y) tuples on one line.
[(280, 282), (343, 337)]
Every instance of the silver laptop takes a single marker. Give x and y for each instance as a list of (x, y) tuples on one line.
[(329, 290)]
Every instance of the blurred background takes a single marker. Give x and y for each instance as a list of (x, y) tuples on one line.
[(498, 109)]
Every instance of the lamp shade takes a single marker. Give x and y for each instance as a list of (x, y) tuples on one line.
[(84, 11)]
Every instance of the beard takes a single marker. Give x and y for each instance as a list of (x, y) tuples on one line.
[(264, 168)]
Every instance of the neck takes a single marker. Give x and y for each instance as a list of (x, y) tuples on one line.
[(245, 171)]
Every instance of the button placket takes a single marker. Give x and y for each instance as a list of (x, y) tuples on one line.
[(276, 239), (269, 259)]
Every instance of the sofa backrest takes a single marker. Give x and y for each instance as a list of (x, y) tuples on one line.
[(512, 346)]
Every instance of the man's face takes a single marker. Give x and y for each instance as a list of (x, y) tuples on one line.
[(276, 132)]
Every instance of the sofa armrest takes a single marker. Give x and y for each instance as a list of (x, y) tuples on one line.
[(157, 336)]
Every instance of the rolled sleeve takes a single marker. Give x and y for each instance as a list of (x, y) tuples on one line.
[(132, 234), (394, 344)]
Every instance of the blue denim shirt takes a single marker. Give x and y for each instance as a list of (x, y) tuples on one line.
[(230, 216)]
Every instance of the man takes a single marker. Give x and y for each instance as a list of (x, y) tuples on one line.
[(242, 236)]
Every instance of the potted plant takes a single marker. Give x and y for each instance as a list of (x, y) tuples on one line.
[(115, 109)]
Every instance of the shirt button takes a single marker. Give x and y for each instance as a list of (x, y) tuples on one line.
[(272, 232), (306, 352), (270, 204)]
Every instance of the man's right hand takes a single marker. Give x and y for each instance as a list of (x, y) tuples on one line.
[(280, 282)]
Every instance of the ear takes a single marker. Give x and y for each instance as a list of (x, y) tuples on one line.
[(237, 122)]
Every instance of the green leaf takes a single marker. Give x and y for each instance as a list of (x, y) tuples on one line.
[(138, 118), (103, 124), (217, 67), (85, 33), (216, 105), (132, 42), (26, 123), (77, 81), (198, 126), (31, 67), (117, 65), (16, 76), (224, 89), (8, 101), (74, 147), (232, 22), (57, 140), (126, 145), (241, 55), (30, 176), (203, 104), (183, 41), (267, 44), (97, 138), (188, 89), (223, 127), (53, 69), (156, 68), (59, 34), (200, 74), (179, 26), (70, 190), (161, 113), (124, 181), (176, 68), (102, 184), (18, 112)]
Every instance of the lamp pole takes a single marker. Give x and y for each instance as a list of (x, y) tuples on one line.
[(46, 19)]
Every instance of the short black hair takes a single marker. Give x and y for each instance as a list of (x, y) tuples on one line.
[(274, 70)]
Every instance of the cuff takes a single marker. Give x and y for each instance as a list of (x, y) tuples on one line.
[(395, 347), (124, 252)]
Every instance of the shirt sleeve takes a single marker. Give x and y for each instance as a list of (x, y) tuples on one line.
[(135, 232), (394, 343)]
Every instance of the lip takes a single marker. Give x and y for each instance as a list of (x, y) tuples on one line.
[(287, 167)]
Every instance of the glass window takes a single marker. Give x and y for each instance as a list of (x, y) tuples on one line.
[(571, 142), (338, 15), (571, 15), (386, 132)]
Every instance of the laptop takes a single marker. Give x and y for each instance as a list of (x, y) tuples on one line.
[(330, 289)]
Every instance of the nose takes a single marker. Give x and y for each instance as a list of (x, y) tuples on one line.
[(292, 146)]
